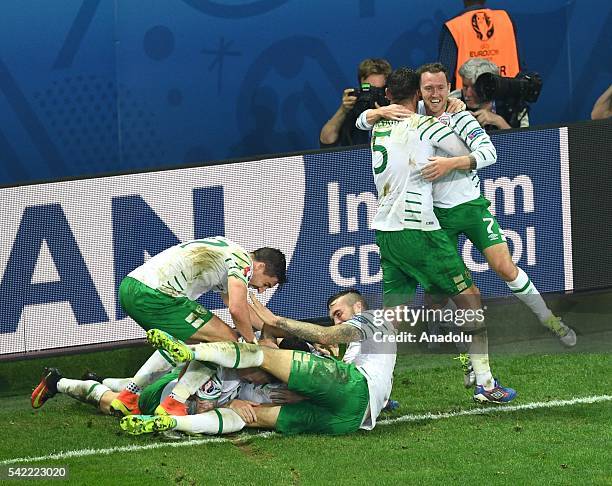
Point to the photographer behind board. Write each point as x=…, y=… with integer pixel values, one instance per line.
x=340, y=130
x=497, y=102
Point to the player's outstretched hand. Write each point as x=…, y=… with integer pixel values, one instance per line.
x=245, y=409
x=265, y=314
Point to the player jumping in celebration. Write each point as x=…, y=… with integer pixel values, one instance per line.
x=162, y=294
x=343, y=396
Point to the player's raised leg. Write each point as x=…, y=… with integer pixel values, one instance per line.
x=228, y=354
x=499, y=260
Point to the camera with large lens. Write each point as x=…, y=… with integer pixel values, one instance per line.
x=368, y=96
x=524, y=88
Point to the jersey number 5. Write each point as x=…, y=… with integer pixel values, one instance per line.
x=382, y=149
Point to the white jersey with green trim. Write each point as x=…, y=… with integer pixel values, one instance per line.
x=374, y=356
x=460, y=186
x=400, y=150
x=193, y=268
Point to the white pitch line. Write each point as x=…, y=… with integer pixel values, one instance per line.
x=266, y=435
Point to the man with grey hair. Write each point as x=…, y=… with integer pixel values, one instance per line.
x=491, y=114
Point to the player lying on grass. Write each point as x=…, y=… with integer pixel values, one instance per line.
x=342, y=396
x=162, y=294
x=227, y=388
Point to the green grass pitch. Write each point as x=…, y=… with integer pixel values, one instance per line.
x=564, y=444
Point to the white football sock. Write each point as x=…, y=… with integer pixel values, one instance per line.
x=524, y=289
x=195, y=376
x=85, y=391
x=158, y=364
x=230, y=354
x=116, y=384
x=480, y=363
x=217, y=421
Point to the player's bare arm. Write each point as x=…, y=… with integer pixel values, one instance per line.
x=239, y=308
x=340, y=333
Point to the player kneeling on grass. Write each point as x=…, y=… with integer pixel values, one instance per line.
x=342, y=396
x=162, y=294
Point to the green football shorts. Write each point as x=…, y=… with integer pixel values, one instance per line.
x=473, y=219
x=338, y=397
x=410, y=257
x=150, y=396
x=152, y=309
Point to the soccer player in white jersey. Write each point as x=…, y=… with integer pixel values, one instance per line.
x=461, y=208
x=413, y=247
x=162, y=294
x=343, y=396
x=458, y=203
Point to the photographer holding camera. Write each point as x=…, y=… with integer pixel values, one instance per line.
x=497, y=102
x=340, y=129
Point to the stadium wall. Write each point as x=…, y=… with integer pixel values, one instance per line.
x=66, y=245
x=90, y=87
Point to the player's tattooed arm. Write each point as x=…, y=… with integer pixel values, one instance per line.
x=340, y=333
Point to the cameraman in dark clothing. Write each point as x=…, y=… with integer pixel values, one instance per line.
x=340, y=129
x=493, y=114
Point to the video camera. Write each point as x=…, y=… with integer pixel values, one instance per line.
x=367, y=97
x=524, y=88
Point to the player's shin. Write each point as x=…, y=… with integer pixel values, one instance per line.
x=230, y=354
x=85, y=391
x=158, y=364
x=195, y=376
x=216, y=422
x=526, y=292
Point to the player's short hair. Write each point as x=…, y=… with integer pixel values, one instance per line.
x=276, y=264
x=403, y=83
x=432, y=67
x=473, y=68
x=371, y=66
x=355, y=297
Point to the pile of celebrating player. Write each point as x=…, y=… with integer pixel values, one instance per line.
x=277, y=373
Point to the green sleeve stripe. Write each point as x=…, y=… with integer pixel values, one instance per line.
x=491, y=152
x=178, y=283
x=441, y=128
x=443, y=137
x=241, y=259
x=237, y=348
x=427, y=119
x=411, y=211
x=413, y=202
x=446, y=134
x=183, y=275
x=414, y=220
x=433, y=125
x=460, y=116
x=410, y=192
x=220, y=417
x=467, y=125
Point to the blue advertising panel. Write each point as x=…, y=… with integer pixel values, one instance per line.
x=67, y=245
